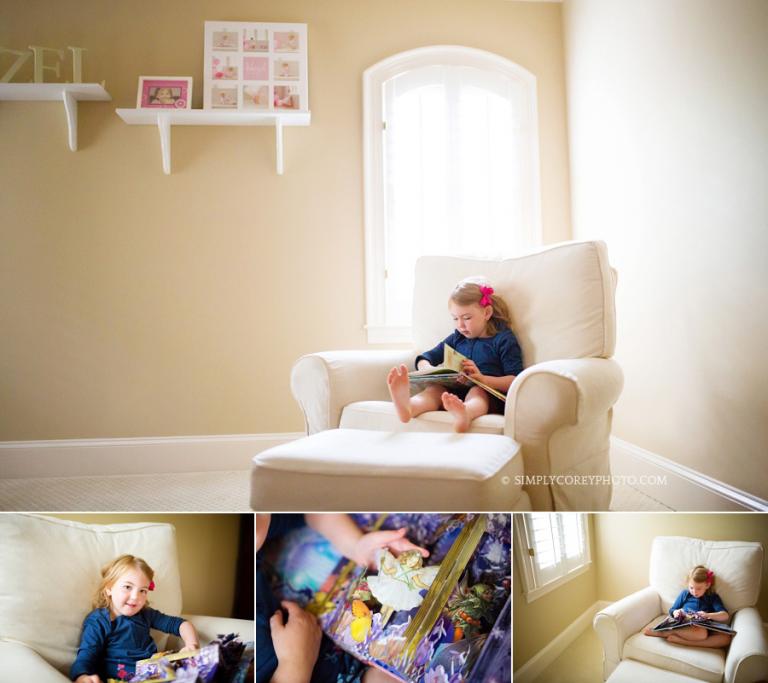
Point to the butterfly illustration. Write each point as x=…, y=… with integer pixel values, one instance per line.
x=361, y=624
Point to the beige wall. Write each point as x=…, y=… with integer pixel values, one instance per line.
x=668, y=130
x=535, y=624
x=623, y=545
x=138, y=304
x=207, y=547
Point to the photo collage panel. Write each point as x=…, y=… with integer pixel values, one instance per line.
x=255, y=67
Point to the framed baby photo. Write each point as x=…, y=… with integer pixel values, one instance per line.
x=255, y=66
x=164, y=92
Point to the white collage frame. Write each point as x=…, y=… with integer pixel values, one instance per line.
x=255, y=67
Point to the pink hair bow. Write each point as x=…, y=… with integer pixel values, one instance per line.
x=485, y=300
x=151, y=585
x=710, y=574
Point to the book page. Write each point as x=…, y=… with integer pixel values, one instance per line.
x=452, y=359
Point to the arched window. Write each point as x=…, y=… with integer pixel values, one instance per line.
x=451, y=168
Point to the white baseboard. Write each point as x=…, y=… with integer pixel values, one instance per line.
x=101, y=457
x=544, y=657
x=685, y=489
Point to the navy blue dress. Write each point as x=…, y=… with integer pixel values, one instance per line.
x=497, y=356
x=108, y=645
x=709, y=602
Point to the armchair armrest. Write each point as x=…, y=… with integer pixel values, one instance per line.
x=747, y=659
x=615, y=623
x=323, y=383
x=21, y=663
x=559, y=411
x=555, y=393
x=210, y=627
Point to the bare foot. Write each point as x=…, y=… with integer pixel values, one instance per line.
x=399, y=390
x=455, y=406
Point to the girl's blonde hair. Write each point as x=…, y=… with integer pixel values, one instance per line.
x=700, y=574
x=112, y=571
x=469, y=292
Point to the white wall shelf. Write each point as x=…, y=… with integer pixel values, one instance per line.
x=165, y=118
x=68, y=93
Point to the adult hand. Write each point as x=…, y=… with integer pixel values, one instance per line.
x=365, y=549
x=296, y=643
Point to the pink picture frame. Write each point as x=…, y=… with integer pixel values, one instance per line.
x=164, y=92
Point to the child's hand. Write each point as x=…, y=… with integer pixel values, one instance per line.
x=364, y=552
x=296, y=643
x=678, y=613
x=190, y=647
x=83, y=678
x=189, y=635
x=469, y=368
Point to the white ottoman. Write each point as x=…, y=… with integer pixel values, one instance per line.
x=630, y=671
x=359, y=470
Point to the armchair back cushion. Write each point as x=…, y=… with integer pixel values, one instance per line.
x=50, y=569
x=737, y=566
x=561, y=299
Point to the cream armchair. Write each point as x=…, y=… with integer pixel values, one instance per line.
x=49, y=569
x=737, y=567
x=559, y=409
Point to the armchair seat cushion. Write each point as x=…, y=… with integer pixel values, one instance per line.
x=630, y=671
x=381, y=416
x=369, y=470
x=701, y=663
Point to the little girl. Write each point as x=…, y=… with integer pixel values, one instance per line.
x=163, y=96
x=482, y=334
x=698, y=598
x=116, y=633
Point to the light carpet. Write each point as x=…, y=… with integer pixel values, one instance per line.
x=225, y=491
x=626, y=498
x=184, y=492
x=580, y=662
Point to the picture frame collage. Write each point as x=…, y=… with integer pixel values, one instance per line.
x=252, y=66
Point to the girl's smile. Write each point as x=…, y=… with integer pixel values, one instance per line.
x=128, y=595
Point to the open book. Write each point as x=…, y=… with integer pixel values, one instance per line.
x=224, y=660
x=424, y=620
x=448, y=374
x=690, y=619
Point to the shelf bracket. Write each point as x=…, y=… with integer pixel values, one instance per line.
x=279, y=145
x=167, y=118
x=70, y=107
x=164, y=126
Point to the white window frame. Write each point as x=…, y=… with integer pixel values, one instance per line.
x=523, y=547
x=373, y=151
